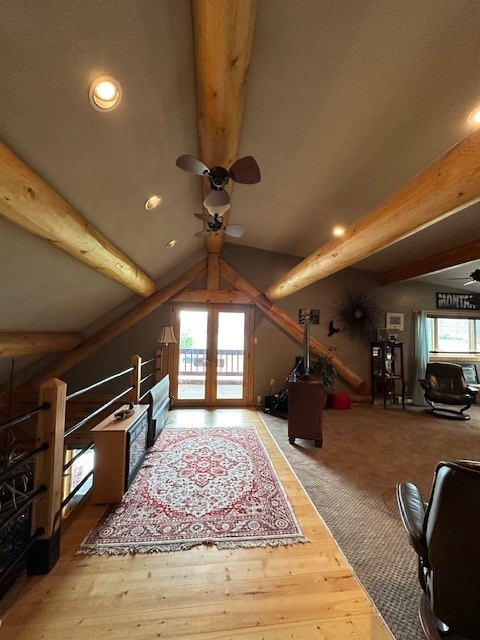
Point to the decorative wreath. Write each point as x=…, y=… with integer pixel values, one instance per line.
x=359, y=314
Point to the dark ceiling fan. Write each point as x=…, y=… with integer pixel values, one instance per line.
x=215, y=224
x=474, y=277
x=244, y=170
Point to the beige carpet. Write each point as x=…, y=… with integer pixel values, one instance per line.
x=352, y=480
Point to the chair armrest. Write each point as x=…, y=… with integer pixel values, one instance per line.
x=412, y=512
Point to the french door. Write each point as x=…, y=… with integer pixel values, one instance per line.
x=213, y=357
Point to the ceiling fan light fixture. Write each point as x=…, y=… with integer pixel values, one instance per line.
x=219, y=209
x=152, y=202
x=105, y=93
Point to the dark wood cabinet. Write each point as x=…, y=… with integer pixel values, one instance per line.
x=387, y=371
x=305, y=406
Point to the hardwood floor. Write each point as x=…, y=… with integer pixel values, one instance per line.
x=302, y=592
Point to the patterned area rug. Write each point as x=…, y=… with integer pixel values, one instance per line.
x=206, y=485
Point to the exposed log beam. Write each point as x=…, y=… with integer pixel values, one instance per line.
x=449, y=185
x=207, y=296
x=436, y=262
x=223, y=36
x=28, y=343
x=213, y=271
x=29, y=202
x=116, y=328
x=290, y=326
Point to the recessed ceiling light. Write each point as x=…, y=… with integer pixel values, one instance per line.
x=170, y=244
x=105, y=93
x=338, y=231
x=152, y=202
x=474, y=117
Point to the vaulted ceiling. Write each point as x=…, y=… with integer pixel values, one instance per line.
x=341, y=103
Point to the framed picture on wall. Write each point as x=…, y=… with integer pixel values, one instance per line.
x=394, y=321
x=382, y=334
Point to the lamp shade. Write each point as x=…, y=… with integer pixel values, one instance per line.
x=167, y=336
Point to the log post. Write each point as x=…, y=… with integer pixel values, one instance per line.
x=45, y=551
x=136, y=376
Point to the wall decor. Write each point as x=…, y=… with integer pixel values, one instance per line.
x=358, y=314
x=463, y=301
x=313, y=316
x=395, y=321
x=382, y=334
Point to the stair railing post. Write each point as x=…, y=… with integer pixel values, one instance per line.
x=46, y=515
x=136, y=376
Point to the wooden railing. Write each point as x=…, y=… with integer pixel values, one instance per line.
x=52, y=490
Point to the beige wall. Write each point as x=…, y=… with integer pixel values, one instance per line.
x=275, y=351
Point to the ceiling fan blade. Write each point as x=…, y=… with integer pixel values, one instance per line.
x=204, y=217
x=217, y=199
x=203, y=234
x=192, y=164
x=234, y=230
x=245, y=170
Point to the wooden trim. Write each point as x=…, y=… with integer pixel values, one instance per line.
x=27, y=343
x=449, y=185
x=291, y=326
x=29, y=202
x=434, y=263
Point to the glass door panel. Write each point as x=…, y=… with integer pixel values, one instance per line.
x=213, y=363
x=192, y=355
x=230, y=354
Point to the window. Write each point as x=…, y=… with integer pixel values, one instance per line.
x=453, y=335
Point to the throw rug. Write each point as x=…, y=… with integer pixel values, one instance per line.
x=205, y=485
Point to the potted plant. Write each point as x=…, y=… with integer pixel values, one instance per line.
x=321, y=367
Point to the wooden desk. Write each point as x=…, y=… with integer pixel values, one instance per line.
x=111, y=439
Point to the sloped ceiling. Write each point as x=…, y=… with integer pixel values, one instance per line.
x=345, y=102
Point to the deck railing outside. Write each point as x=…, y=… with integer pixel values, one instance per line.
x=192, y=362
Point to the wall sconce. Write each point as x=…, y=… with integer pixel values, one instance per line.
x=167, y=336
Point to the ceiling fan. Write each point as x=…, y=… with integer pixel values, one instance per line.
x=474, y=277
x=244, y=170
x=215, y=224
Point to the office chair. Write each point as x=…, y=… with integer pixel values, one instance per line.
x=445, y=534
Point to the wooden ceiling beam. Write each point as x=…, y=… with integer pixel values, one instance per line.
x=447, y=186
x=28, y=343
x=223, y=37
x=291, y=326
x=29, y=202
x=434, y=263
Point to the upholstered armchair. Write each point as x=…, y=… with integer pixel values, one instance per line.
x=445, y=534
x=444, y=384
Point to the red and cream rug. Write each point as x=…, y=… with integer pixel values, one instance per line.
x=206, y=485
